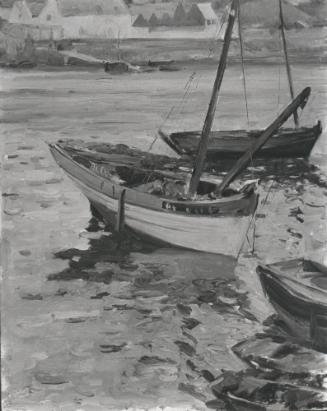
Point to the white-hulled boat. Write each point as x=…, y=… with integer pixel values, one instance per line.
x=213, y=225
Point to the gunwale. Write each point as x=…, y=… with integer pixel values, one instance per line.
x=164, y=204
x=226, y=143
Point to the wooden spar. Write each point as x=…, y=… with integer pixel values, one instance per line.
x=300, y=100
x=288, y=67
x=121, y=212
x=202, y=149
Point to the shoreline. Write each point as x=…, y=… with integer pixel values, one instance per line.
x=191, y=62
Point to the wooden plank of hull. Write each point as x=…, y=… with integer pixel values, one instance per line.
x=214, y=234
x=221, y=235
x=231, y=144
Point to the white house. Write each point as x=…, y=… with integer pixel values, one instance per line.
x=5, y=13
x=203, y=14
x=20, y=13
x=88, y=18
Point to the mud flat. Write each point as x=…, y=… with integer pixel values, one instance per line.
x=87, y=325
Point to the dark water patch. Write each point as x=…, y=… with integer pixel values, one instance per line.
x=30, y=296
x=294, y=233
x=75, y=320
x=51, y=379
x=109, y=348
x=53, y=180
x=61, y=292
x=190, y=323
x=208, y=376
x=185, y=348
x=70, y=274
x=25, y=253
x=183, y=309
x=25, y=147
x=13, y=196
x=120, y=307
x=99, y=296
x=113, y=249
x=34, y=91
x=153, y=360
x=297, y=213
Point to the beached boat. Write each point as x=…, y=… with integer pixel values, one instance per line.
x=184, y=210
x=297, y=289
x=229, y=144
x=216, y=225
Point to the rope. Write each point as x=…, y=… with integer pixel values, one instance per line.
x=187, y=88
x=243, y=68
x=279, y=67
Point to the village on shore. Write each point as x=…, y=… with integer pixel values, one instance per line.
x=86, y=32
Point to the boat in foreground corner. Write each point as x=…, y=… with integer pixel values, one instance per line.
x=297, y=289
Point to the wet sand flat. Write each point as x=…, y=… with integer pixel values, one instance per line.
x=87, y=325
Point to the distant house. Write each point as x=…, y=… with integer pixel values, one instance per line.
x=88, y=18
x=5, y=13
x=20, y=13
x=202, y=14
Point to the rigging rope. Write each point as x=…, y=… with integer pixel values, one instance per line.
x=178, y=107
x=279, y=67
x=243, y=68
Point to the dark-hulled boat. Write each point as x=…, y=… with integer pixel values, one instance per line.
x=231, y=144
x=297, y=289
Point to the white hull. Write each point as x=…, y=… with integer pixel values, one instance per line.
x=221, y=235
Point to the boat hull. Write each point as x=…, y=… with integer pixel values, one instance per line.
x=221, y=234
x=304, y=315
x=232, y=144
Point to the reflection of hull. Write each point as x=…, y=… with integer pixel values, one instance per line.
x=215, y=226
x=232, y=144
x=302, y=306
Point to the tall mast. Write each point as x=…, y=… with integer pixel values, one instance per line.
x=288, y=67
x=202, y=149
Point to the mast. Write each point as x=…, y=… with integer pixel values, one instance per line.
x=288, y=67
x=202, y=149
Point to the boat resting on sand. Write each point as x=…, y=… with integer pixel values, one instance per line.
x=215, y=225
x=231, y=144
x=297, y=290
x=285, y=142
